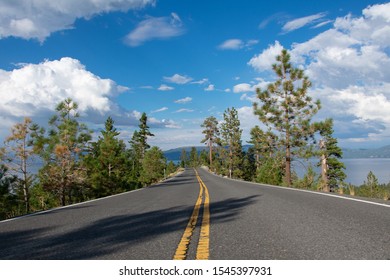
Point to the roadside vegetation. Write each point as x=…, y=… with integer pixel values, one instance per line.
x=74, y=168
x=286, y=133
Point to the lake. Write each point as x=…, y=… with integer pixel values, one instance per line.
x=357, y=169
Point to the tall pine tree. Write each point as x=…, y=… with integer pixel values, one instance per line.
x=211, y=135
x=21, y=152
x=143, y=134
x=231, y=139
x=286, y=107
x=332, y=169
x=107, y=162
x=62, y=150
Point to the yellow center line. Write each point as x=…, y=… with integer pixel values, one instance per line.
x=202, y=252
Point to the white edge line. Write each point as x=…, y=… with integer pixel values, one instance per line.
x=67, y=206
x=85, y=202
x=307, y=191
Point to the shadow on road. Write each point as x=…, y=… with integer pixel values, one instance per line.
x=106, y=236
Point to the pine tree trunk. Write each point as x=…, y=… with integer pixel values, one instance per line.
x=288, y=167
x=324, y=168
x=230, y=162
x=288, y=160
x=211, y=154
x=324, y=175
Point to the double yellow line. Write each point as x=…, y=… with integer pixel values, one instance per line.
x=202, y=252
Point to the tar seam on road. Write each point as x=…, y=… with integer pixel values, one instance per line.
x=202, y=252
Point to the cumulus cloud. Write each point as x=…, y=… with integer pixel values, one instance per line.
x=236, y=44
x=245, y=87
x=178, y=79
x=251, y=98
x=183, y=100
x=357, y=46
x=301, y=22
x=210, y=87
x=30, y=19
x=36, y=87
x=264, y=61
x=164, y=87
x=155, y=28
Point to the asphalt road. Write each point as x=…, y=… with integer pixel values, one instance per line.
x=247, y=221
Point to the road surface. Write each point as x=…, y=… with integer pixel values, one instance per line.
x=204, y=216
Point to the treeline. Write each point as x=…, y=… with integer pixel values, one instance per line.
x=74, y=168
x=286, y=134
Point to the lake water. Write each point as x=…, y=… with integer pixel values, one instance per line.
x=357, y=169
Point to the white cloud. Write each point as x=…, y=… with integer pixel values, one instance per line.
x=37, y=87
x=155, y=28
x=231, y=44
x=178, y=79
x=30, y=19
x=364, y=103
x=210, y=87
x=164, y=87
x=322, y=24
x=264, y=61
x=251, y=98
x=356, y=46
x=245, y=87
x=301, y=22
x=184, y=100
x=184, y=110
x=160, y=110
x=201, y=82
x=236, y=44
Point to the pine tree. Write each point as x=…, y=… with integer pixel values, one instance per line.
x=153, y=166
x=7, y=196
x=138, y=147
x=143, y=134
x=231, y=138
x=372, y=184
x=332, y=169
x=249, y=165
x=269, y=165
x=194, y=161
x=211, y=133
x=107, y=162
x=264, y=144
x=183, y=158
x=62, y=150
x=21, y=152
x=287, y=108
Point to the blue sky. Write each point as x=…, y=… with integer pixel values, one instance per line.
x=182, y=61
